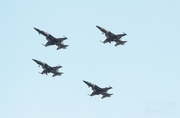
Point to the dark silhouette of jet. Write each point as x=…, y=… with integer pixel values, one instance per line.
x=110, y=37
x=48, y=69
x=52, y=40
x=97, y=90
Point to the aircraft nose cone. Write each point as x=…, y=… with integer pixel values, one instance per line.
x=36, y=29
x=98, y=27
x=34, y=60
x=84, y=81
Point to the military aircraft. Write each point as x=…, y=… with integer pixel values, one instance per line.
x=51, y=40
x=97, y=90
x=110, y=37
x=49, y=69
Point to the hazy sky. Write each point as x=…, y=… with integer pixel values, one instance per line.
x=144, y=73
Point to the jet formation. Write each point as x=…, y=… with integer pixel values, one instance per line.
x=98, y=90
x=110, y=37
x=51, y=40
x=48, y=69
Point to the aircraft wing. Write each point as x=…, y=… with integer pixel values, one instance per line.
x=56, y=67
x=110, y=34
x=48, y=67
x=51, y=37
x=121, y=35
x=93, y=93
x=49, y=43
x=107, y=40
x=59, y=40
x=97, y=88
x=45, y=72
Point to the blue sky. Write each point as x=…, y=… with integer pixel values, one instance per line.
x=144, y=73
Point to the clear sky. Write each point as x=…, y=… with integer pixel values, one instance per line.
x=144, y=73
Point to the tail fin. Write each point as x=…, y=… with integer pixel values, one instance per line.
x=65, y=46
x=120, y=43
x=57, y=74
x=123, y=42
x=62, y=46
x=106, y=95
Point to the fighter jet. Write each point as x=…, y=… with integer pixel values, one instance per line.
x=51, y=39
x=110, y=37
x=49, y=69
x=98, y=90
